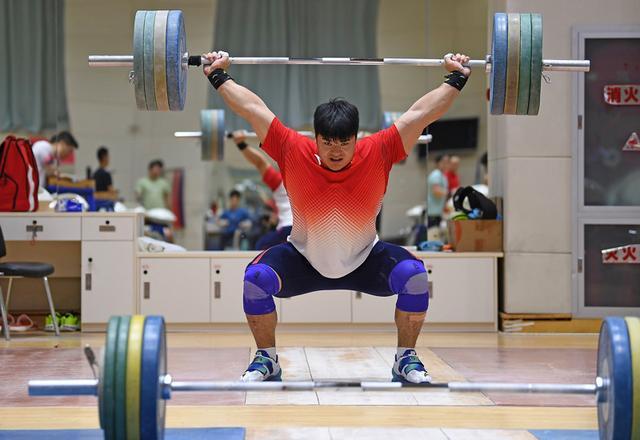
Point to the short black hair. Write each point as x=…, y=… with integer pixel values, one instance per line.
x=337, y=119
x=235, y=193
x=102, y=153
x=156, y=163
x=66, y=137
x=441, y=157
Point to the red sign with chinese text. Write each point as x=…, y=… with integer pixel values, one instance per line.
x=622, y=94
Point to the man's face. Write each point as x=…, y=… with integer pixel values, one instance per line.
x=155, y=172
x=444, y=164
x=105, y=161
x=336, y=154
x=454, y=164
x=234, y=202
x=64, y=150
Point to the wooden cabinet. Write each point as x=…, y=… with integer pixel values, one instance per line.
x=176, y=288
x=107, y=280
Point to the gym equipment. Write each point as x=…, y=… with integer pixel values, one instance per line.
x=160, y=61
x=135, y=356
x=212, y=133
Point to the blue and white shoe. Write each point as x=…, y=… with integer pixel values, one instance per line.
x=409, y=369
x=262, y=369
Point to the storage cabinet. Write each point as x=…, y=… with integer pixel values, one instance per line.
x=176, y=288
x=107, y=280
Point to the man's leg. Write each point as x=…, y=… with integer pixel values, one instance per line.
x=409, y=325
x=263, y=328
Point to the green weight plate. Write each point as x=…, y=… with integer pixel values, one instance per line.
x=633, y=326
x=525, y=64
x=149, y=81
x=614, y=368
x=121, y=378
x=134, y=365
x=107, y=400
x=513, y=64
x=536, y=64
x=160, y=60
x=138, y=59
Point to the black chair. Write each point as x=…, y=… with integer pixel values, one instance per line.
x=13, y=270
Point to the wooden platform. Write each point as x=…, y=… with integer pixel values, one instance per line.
x=547, y=323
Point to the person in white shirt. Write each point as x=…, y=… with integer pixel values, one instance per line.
x=49, y=153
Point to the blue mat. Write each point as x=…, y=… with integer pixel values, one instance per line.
x=96, y=434
x=565, y=434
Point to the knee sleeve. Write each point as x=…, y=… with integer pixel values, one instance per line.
x=410, y=282
x=261, y=283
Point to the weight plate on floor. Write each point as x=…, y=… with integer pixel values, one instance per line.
x=106, y=399
x=633, y=326
x=614, y=368
x=149, y=82
x=176, y=69
x=498, y=63
x=138, y=59
x=154, y=368
x=160, y=60
x=134, y=364
x=536, y=64
x=513, y=64
x=524, y=81
x=121, y=378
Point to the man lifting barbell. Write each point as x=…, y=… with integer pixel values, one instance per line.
x=335, y=187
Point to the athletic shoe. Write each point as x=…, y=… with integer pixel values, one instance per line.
x=409, y=369
x=48, y=322
x=262, y=369
x=70, y=323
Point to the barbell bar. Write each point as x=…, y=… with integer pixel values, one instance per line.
x=135, y=353
x=160, y=62
x=213, y=132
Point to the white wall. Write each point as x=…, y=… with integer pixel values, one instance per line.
x=530, y=163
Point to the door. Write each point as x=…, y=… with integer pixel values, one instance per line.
x=607, y=174
x=176, y=288
x=107, y=280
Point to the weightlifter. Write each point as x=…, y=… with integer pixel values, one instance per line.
x=335, y=186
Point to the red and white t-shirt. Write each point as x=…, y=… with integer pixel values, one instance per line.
x=334, y=213
x=273, y=179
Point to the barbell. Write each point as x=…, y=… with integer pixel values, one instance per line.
x=160, y=61
x=212, y=133
x=133, y=385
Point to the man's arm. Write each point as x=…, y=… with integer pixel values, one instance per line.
x=241, y=100
x=431, y=106
x=252, y=155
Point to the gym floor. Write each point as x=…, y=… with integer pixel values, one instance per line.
x=321, y=353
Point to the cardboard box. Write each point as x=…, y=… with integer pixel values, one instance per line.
x=475, y=235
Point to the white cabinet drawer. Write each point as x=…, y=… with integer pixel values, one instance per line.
x=108, y=228
x=65, y=227
x=317, y=307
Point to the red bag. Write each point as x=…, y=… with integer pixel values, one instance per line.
x=19, y=178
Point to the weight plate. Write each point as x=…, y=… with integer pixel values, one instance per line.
x=205, y=138
x=498, y=63
x=524, y=80
x=121, y=378
x=176, y=69
x=154, y=368
x=149, y=82
x=614, y=367
x=633, y=326
x=160, y=60
x=513, y=65
x=138, y=59
x=218, y=133
x=536, y=64
x=134, y=363
x=107, y=400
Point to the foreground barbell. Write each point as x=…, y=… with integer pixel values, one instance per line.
x=133, y=384
x=160, y=61
x=212, y=133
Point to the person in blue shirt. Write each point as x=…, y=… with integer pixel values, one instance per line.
x=231, y=218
